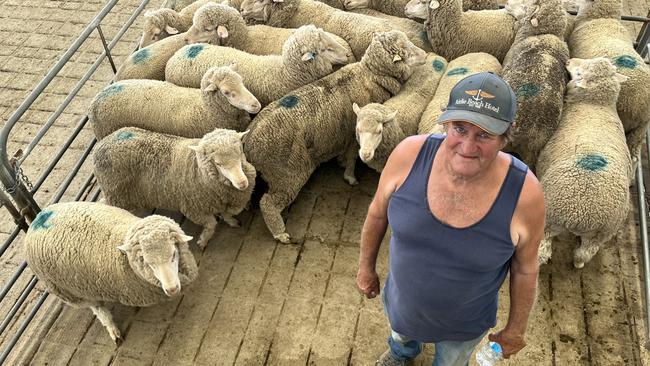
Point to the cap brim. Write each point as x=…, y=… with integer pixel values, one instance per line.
x=492, y=125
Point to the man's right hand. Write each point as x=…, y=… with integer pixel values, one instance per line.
x=368, y=282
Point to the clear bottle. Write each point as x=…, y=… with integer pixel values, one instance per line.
x=489, y=354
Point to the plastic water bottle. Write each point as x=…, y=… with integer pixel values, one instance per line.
x=489, y=354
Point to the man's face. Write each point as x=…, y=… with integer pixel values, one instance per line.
x=471, y=149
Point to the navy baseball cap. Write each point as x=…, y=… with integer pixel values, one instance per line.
x=483, y=99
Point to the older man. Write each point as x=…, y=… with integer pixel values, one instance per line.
x=462, y=214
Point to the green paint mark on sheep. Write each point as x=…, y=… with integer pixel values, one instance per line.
x=124, y=135
x=42, y=220
x=438, y=65
x=110, y=90
x=458, y=71
x=625, y=61
x=528, y=91
x=592, y=162
x=424, y=37
x=194, y=50
x=141, y=56
x=289, y=101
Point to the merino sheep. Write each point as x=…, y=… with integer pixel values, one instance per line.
x=160, y=106
x=149, y=62
x=225, y=24
x=308, y=55
x=466, y=65
x=598, y=32
x=162, y=23
x=380, y=127
x=535, y=70
x=90, y=254
x=356, y=29
x=585, y=167
x=416, y=9
x=315, y=123
x=201, y=178
x=453, y=33
x=519, y=9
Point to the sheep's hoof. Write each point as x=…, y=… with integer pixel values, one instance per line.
x=231, y=221
x=202, y=243
x=351, y=180
x=116, y=336
x=578, y=263
x=283, y=238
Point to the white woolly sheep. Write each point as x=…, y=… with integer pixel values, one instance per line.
x=162, y=23
x=356, y=29
x=585, y=167
x=90, y=254
x=535, y=69
x=416, y=9
x=598, y=32
x=519, y=9
x=149, y=62
x=139, y=169
x=315, y=123
x=453, y=33
x=466, y=65
x=380, y=127
x=222, y=102
x=308, y=55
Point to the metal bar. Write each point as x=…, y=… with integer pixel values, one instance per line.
x=73, y=173
x=9, y=240
x=19, y=302
x=7, y=350
x=9, y=284
x=643, y=223
x=18, y=218
x=96, y=195
x=106, y=50
x=84, y=187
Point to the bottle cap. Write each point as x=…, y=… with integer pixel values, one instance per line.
x=496, y=347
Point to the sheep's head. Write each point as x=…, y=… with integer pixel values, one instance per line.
x=594, y=74
x=355, y=4
x=518, y=8
x=540, y=17
x=152, y=246
x=416, y=9
x=213, y=23
x=370, y=124
x=275, y=13
x=156, y=26
x=394, y=54
x=220, y=155
x=315, y=49
x=226, y=81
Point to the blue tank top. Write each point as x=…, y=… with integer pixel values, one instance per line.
x=443, y=282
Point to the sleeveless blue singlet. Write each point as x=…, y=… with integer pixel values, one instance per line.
x=443, y=282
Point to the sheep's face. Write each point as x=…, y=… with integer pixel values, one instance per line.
x=221, y=155
x=314, y=47
x=592, y=73
x=355, y=4
x=211, y=24
x=518, y=8
x=416, y=9
x=331, y=50
x=156, y=27
x=226, y=81
x=370, y=124
x=401, y=49
x=257, y=10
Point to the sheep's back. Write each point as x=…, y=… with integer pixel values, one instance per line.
x=149, y=62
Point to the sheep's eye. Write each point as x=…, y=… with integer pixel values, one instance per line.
x=227, y=93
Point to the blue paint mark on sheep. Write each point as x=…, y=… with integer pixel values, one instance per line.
x=592, y=162
x=424, y=37
x=42, y=220
x=289, y=101
x=110, y=90
x=528, y=91
x=458, y=71
x=438, y=65
x=141, y=56
x=625, y=61
x=194, y=50
x=124, y=135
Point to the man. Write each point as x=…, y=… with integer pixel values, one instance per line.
x=462, y=214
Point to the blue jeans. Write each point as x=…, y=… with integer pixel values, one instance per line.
x=448, y=353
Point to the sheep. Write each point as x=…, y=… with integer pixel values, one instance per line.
x=534, y=69
x=453, y=33
x=139, y=169
x=162, y=23
x=585, y=167
x=291, y=137
x=466, y=65
x=225, y=24
x=598, y=32
x=380, y=127
x=356, y=29
x=414, y=8
x=149, y=62
x=160, y=106
x=308, y=55
x=519, y=9
x=90, y=254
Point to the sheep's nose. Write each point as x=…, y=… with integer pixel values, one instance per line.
x=241, y=185
x=255, y=107
x=173, y=291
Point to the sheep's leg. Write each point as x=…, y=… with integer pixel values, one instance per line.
x=589, y=246
x=106, y=318
x=230, y=220
x=349, y=162
x=209, y=223
x=545, y=246
x=635, y=140
x=272, y=204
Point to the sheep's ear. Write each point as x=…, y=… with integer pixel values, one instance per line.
x=434, y=4
x=185, y=238
x=125, y=248
x=171, y=30
x=620, y=78
x=278, y=1
x=211, y=87
x=233, y=66
x=390, y=117
x=222, y=31
x=308, y=56
x=397, y=58
x=355, y=108
x=534, y=22
x=242, y=134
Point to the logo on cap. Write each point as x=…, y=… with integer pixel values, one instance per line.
x=479, y=94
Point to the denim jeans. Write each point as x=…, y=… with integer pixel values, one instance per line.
x=448, y=353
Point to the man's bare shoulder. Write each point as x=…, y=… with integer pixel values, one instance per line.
x=530, y=212
x=399, y=163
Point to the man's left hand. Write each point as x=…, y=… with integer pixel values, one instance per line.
x=510, y=343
